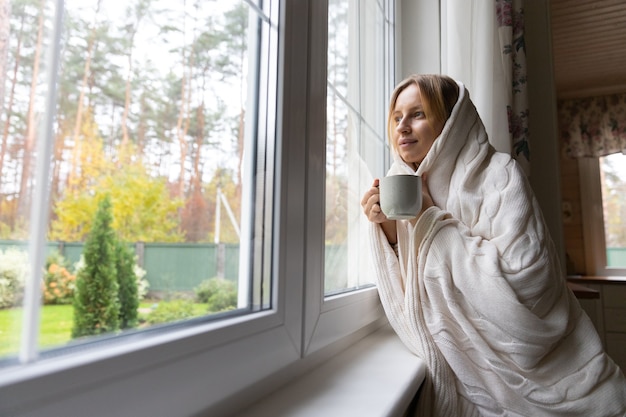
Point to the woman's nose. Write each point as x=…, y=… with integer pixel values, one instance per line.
x=402, y=126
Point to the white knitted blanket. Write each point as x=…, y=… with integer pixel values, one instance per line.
x=481, y=297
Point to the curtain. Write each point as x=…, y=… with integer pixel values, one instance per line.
x=483, y=47
x=593, y=127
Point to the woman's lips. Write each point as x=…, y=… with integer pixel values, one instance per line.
x=406, y=142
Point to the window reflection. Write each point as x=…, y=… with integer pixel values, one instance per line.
x=359, y=66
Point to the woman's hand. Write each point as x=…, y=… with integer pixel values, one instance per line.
x=371, y=204
x=371, y=208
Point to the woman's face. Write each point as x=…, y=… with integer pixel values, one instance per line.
x=413, y=134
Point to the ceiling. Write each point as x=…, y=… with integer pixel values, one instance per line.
x=589, y=47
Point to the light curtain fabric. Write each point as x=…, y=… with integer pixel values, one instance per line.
x=483, y=47
x=477, y=292
x=593, y=127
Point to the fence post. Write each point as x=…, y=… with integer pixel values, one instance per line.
x=140, y=250
x=221, y=260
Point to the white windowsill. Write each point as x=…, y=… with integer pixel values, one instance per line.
x=377, y=376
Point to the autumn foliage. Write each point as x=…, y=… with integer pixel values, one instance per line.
x=58, y=285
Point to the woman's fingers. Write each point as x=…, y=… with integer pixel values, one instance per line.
x=369, y=193
x=371, y=204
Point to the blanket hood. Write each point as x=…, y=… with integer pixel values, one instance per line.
x=464, y=133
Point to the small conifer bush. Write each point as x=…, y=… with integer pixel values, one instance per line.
x=127, y=281
x=96, y=305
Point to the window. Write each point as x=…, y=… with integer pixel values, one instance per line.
x=613, y=177
x=156, y=113
x=213, y=362
x=359, y=86
x=603, y=186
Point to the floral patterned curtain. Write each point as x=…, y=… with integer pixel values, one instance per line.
x=510, y=17
x=593, y=127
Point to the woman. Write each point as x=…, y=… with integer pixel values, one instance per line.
x=473, y=285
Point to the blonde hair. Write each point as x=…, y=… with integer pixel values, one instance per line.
x=439, y=94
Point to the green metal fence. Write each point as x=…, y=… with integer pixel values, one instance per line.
x=169, y=267
x=181, y=266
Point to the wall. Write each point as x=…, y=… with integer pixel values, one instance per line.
x=418, y=34
x=572, y=217
x=544, y=150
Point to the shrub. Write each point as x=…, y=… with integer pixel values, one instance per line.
x=59, y=285
x=219, y=294
x=169, y=311
x=13, y=273
x=140, y=273
x=127, y=281
x=96, y=306
x=142, y=284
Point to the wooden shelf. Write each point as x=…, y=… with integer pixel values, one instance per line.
x=580, y=291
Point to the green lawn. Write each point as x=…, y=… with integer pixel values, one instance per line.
x=56, y=326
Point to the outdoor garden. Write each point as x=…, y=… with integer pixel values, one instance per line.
x=105, y=292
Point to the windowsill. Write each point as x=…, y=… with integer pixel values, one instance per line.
x=377, y=376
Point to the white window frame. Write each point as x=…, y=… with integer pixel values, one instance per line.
x=329, y=319
x=218, y=366
x=593, y=219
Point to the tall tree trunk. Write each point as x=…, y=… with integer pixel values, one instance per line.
x=125, y=136
x=182, y=145
x=78, y=121
x=141, y=9
x=5, y=30
x=9, y=108
x=242, y=114
x=197, y=157
x=141, y=127
x=240, y=145
x=64, y=126
x=31, y=128
x=182, y=124
x=194, y=212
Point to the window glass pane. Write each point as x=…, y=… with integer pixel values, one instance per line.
x=372, y=68
x=149, y=196
x=23, y=72
x=613, y=177
x=355, y=145
x=341, y=28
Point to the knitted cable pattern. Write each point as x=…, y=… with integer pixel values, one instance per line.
x=477, y=292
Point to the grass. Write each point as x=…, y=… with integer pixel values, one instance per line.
x=55, y=328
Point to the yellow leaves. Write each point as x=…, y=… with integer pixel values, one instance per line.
x=142, y=208
x=88, y=158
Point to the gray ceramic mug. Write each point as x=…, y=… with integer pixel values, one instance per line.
x=400, y=196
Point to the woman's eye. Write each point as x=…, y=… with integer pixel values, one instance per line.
x=418, y=114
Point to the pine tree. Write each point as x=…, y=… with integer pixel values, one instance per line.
x=96, y=306
x=127, y=293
